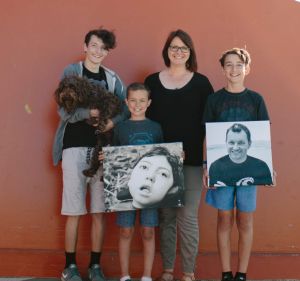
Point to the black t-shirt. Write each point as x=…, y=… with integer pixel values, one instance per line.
x=251, y=172
x=179, y=112
x=224, y=106
x=80, y=134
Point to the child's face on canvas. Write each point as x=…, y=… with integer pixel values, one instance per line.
x=150, y=180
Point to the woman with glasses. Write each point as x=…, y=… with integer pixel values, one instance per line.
x=178, y=95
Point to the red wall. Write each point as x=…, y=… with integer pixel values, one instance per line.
x=39, y=38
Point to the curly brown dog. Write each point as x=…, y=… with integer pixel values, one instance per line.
x=74, y=92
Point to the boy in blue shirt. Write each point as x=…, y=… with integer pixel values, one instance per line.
x=137, y=130
x=234, y=103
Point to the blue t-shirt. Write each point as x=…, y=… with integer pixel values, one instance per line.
x=131, y=132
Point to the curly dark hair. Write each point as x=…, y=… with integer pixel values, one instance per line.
x=243, y=54
x=73, y=92
x=108, y=37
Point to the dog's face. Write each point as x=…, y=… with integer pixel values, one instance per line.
x=68, y=99
x=73, y=92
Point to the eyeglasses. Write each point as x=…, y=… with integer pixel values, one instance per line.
x=183, y=49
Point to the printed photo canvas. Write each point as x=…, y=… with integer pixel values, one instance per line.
x=143, y=176
x=239, y=153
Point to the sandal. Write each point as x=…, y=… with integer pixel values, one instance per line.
x=188, y=277
x=166, y=276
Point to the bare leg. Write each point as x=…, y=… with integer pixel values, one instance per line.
x=126, y=234
x=97, y=231
x=224, y=227
x=71, y=233
x=245, y=228
x=148, y=237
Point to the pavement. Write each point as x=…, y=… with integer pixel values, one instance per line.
x=57, y=279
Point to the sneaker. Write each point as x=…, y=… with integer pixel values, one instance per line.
x=227, y=276
x=240, y=276
x=71, y=274
x=95, y=273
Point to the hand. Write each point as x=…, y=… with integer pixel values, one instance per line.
x=183, y=155
x=101, y=156
x=94, y=112
x=205, y=178
x=219, y=183
x=245, y=181
x=94, y=117
x=109, y=125
x=274, y=178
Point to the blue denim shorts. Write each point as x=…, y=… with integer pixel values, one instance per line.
x=227, y=197
x=148, y=218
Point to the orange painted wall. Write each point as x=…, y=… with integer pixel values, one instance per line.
x=39, y=38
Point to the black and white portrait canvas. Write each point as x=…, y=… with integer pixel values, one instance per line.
x=143, y=176
x=239, y=153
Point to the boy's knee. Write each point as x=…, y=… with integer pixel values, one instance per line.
x=73, y=219
x=98, y=217
x=244, y=221
x=147, y=233
x=225, y=220
x=126, y=232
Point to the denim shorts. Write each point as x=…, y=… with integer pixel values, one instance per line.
x=148, y=218
x=227, y=197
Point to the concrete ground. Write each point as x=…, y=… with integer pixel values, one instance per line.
x=57, y=279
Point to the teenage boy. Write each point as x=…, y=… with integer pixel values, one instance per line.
x=73, y=144
x=136, y=131
x=234, y=103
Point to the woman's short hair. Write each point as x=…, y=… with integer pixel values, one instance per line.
x=191, y=63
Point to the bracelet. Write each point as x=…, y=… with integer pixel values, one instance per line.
x=204, y=164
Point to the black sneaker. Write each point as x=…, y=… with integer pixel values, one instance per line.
x=95, y=273
x=71, y=273
x=240, y=276
x=227, y=276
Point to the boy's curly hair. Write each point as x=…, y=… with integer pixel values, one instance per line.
x=243, y=54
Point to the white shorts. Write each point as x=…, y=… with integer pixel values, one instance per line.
x=74, y=161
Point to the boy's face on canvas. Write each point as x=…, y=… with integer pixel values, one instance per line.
x=150, y=180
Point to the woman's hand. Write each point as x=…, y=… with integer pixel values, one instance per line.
x=205, y=178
